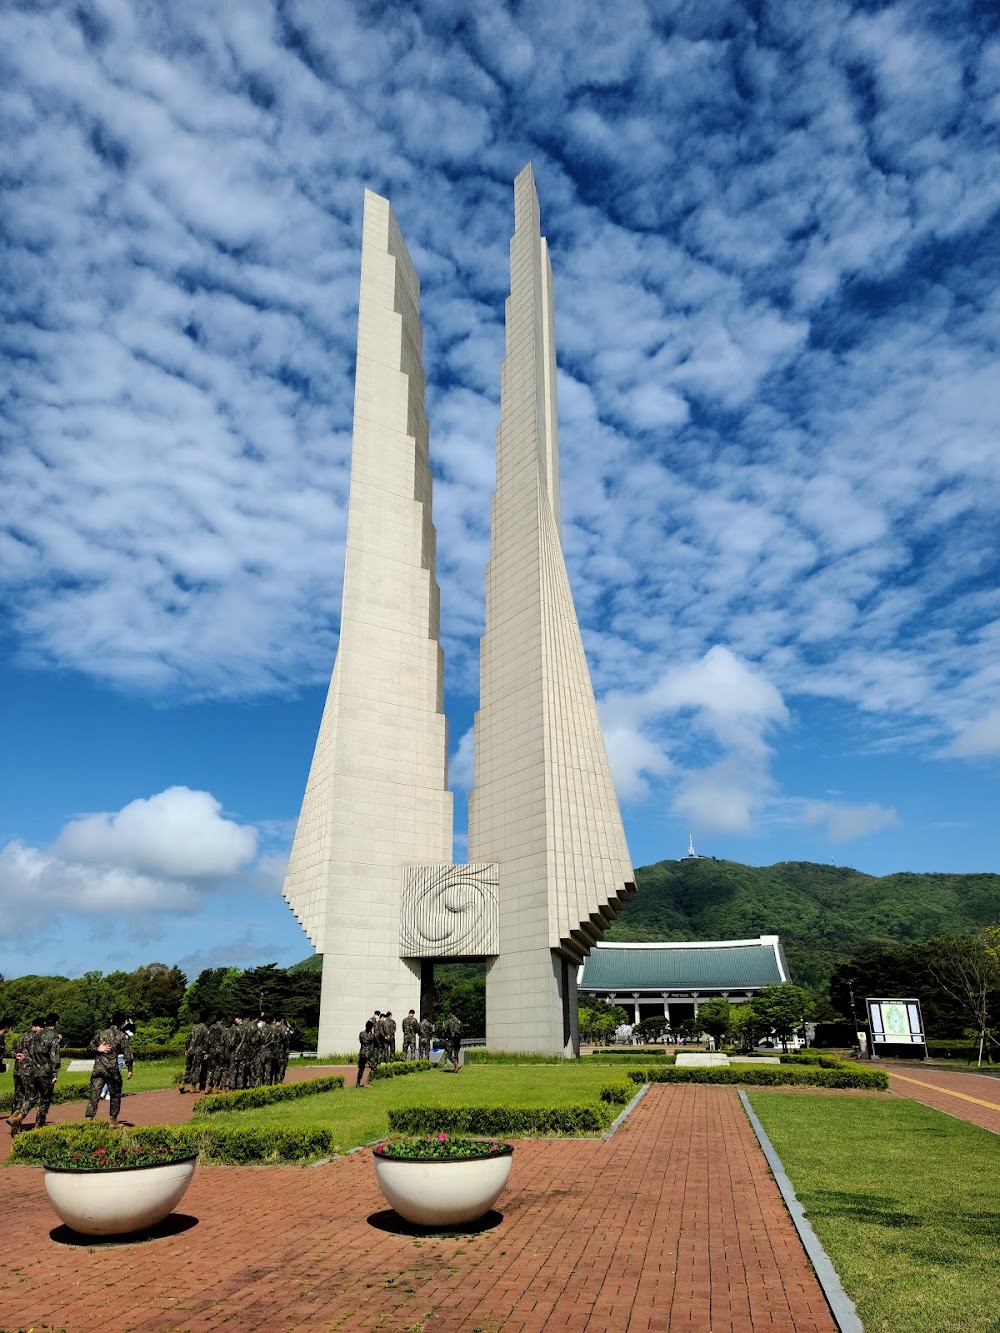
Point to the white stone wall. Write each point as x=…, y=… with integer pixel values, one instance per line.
x=543, y=805
x=377, y=797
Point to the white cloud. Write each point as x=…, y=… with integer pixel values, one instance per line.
x=460, y=767
x=179, y=833
x=155, y=857
x=844, y=821
x=979, y=740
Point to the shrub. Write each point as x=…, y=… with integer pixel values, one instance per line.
x=823, y=1061
x=619, y=1092
x=249, y=1099
x=633, y=1053
x=497, y=1121
x=397, y=1068
x=62, y=1092
x=763, y=1076
x=442, y=1147
x=229, y=1145
x=140, y=1052
x=479, y=1055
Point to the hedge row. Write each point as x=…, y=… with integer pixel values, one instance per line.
x=767, y=1076
x=249, y=1099
x=216, y=1143
x=140, y=1053
x=397, y=1068
x=814, y=1058
x=498, y=1121
x=619, y=1093
x=636, y=1053
x=62, y=1092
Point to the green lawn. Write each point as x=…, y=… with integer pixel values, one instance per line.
x=358, y=1115
x=906, y=1201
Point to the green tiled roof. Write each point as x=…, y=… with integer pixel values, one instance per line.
x=666, y=967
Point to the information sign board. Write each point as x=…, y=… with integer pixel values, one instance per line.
x=896, y=1022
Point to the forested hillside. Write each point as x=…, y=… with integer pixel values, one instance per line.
x=823, y=913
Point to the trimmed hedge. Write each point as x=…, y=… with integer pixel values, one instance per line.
x=140, y=1053
x=635, y=1053
x=233, y=1146
x=823, y=1061
x=249, y=1099
x=768, y=1076
x=62, y=1092
x=618, y=1093
x=397, y=1068
x=502, y=1121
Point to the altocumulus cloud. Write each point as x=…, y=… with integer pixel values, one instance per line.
x=156, y=856
x=774, y=235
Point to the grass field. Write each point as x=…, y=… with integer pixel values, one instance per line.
x=359, y=1115
x=906, y=1201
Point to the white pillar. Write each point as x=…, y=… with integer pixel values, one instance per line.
x=635, y=1005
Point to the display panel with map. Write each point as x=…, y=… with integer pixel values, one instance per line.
x=895, y=1022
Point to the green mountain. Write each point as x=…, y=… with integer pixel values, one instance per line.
x=823, y=913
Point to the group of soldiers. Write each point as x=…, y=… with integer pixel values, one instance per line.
x=37, y=1057
x=377, y=1043
x=246, y=1053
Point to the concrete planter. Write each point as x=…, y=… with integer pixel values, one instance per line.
x=439, y=1193
x=113, y=1201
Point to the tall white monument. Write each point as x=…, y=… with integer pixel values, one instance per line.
x=370, y=876
x=377, y=798
x=544, y=806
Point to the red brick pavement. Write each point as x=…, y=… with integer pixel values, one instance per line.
x=966, y=1096
x=674, y=1223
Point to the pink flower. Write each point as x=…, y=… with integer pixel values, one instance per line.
x=442, y=1138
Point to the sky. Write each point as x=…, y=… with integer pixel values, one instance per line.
x=773, y=229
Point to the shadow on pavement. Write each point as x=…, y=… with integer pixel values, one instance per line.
x=389, y=1220
x=174, y=1225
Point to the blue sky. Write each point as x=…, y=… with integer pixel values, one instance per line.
x=773, y=231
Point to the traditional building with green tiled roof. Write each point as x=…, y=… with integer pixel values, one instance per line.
x=671, y=979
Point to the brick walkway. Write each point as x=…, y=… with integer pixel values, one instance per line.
x=675, y=1223
x=966, y=1096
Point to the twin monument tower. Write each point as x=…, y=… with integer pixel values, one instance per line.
x=371, y=878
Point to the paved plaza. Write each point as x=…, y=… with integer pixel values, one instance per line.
x=673, y=1223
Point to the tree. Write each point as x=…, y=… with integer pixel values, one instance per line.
x=967, y=967
x=155, y=991
x=781, y=1008
x=598, y=1020
x=715, y=1017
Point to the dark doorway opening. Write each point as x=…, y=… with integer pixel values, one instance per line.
x=447, y=985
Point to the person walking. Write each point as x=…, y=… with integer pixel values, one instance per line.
x=366, y=1052
x=411, y=1035
x=110, y=1043
x=30, y=1071
x=453, y=1039
x=46, y=1059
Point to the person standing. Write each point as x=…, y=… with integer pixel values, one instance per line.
x=216, y=1063
x=426, y=1033
x=195, y=1054
x=110, y=1043
x=411, y=1034
x=390, y=1036
x=453, y=1039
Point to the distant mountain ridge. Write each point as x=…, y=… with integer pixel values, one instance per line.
x=823, y=913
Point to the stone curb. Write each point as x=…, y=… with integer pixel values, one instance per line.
x=619, y=1120
x=841, y=1305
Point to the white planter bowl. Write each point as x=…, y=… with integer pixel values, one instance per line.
x=114, y=1201
x=442, y=1193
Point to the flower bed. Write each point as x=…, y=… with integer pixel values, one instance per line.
x=768, y=1076
x=249, y=1099
x=496, y=1121
x=398, y=1068
x=229, y=1145
x=441, y=1147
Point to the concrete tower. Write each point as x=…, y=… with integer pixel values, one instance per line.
x=544, y=808
x=377, y=798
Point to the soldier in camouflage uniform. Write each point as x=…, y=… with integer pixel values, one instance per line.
x=426, y=1032
x=46, y=1059
x=390, y=1036
x=195, y=1053
x=106, y=1048
x=234, y=1040
x=453, y=1039
x=273, y=1044
x=30, y=1072
x=366, y=1053
x=286, y=1046
x=216, y=1062
x=411, y=1035
x=257, y=1065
